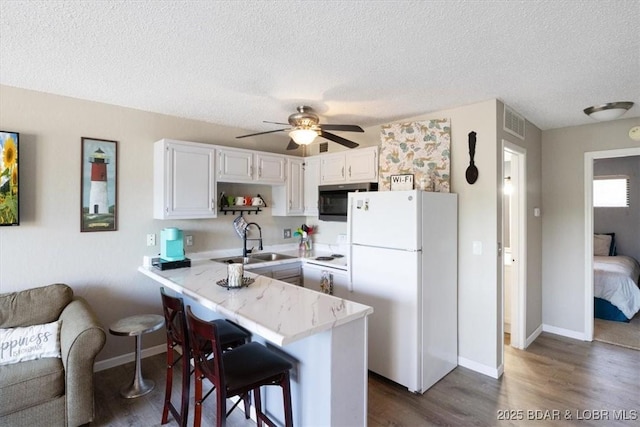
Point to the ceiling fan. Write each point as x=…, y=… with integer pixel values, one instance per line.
x=305, y=127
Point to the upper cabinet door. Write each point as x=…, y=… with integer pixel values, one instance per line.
x=271, y=168
x=288, y=199
x=362, y=165
x=311, y=182
x=184, y=180
x=235, y=165
x=296, y=187
x=333, y=168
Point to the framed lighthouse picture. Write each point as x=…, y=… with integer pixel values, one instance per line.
x=99, y=188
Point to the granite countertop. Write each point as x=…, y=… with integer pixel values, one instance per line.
x=279, y=312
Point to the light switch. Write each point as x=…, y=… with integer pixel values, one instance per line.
x=477, y=247
x=536, y=211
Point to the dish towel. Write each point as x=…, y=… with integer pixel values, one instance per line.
x=326, y=282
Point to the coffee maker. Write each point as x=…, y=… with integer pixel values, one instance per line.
x=172, y=250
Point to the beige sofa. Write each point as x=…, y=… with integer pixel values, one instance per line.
x=51, y=391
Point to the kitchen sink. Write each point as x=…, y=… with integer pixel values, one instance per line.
x=254, y=259
x=270, y=256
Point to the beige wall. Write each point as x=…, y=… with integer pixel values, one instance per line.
x=563, y=234
x=48, y=246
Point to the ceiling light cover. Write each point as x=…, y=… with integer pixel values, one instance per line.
x=303, y=136
x=609, y=111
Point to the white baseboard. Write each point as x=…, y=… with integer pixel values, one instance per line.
x=128, y=357
x=531, y=338
x=564, y=332
x=479, y=367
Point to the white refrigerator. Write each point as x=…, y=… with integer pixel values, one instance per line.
x=403, y=263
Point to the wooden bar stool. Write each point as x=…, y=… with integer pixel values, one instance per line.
x=235, y=373
x=136, y=326
x=177, y=336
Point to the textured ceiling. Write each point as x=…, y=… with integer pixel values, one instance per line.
x=237, y=63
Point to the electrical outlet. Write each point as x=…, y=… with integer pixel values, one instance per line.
x=188, y=240
x=287, y=233
x=151, y=239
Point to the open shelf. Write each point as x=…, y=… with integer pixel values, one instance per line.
x=241, y=209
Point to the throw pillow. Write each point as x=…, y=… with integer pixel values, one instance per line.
x=601, y=244
x=29, y=343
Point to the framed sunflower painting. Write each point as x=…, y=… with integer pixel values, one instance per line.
x=9, y=182
x=99, y=185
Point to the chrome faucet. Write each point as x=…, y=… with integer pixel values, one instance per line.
x=246, y=251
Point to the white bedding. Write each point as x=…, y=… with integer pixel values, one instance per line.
x=615, y=280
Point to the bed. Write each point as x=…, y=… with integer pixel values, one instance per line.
x=616, y=292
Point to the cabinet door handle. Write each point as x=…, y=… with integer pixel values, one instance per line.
x=260, y=172
x=213, y=204
x=343, y=171
x=349, y=171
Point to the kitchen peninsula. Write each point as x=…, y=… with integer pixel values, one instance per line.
x=325, y=337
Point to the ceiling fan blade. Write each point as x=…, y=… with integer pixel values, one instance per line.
x=346, y=128
x=262, y=133
x=276, y=123
x=292, y=145
x=340, y=140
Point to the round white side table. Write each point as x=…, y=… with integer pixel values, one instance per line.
x=136, y=326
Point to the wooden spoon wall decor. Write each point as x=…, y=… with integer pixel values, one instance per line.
x=472, y=170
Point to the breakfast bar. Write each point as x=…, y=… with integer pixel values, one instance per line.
x=323, y=336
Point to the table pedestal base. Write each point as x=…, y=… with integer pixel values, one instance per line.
x=139, y=386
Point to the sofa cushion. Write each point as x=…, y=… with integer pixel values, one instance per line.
x=34, y=306
x=27, y=384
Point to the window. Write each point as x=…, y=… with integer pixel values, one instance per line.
x=611, y=191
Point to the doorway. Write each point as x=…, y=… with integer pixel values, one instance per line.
x=514, y=238
x=589, y=158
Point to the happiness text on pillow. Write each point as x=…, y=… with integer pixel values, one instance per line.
x=24, y=345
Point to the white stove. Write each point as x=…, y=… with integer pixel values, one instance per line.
x=336, y=260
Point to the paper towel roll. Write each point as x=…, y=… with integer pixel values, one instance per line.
x=234, y=275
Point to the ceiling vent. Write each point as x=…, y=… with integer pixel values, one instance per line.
x=514, y=123
x=324, y=147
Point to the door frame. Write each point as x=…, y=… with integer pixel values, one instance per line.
x=519, y=286
x=589, y=158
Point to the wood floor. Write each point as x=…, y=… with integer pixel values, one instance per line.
x=555, y=377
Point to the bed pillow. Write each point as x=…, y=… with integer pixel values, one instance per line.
x=601, y=244
x=612, y=246
x=29, y=343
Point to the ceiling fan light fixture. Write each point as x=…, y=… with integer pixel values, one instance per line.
x=609, y=111
x=303, y=136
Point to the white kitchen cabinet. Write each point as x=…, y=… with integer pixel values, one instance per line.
x=359, y=165
x=362, y=165
x=311, y=181
x=332, y=168
x=184, y=185
x=312, y=277
x=288, y=199
x=235, y=165
x=238, y=165
x=271, y=168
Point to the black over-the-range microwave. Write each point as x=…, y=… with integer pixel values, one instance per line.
x=332, y=199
